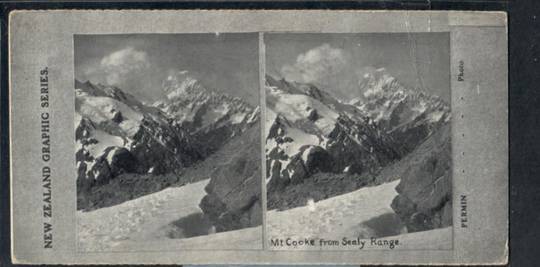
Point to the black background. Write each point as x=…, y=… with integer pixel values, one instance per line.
x=524, y=99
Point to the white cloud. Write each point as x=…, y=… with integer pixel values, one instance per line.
x=119, y=64
x=316, y=65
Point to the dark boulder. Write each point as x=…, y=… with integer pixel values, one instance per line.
x=313, y=115
x=233, y=199
x=276, y=180
x=276, y=129
x=84, y=129
x=317, y=159
x=296, y=170
x=310, y=160
x=425, y=189
x=122, y=161
x=100, y=171
x=111, y=163
x=117, y=117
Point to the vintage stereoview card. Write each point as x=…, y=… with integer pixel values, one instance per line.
x=258, y=137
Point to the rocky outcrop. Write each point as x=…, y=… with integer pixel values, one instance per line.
x=425, y=190
x=113, y=162
x=357, y=147
x=163, y=148
x=233, y=199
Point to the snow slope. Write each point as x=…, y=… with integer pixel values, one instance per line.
x=364, y=213
x=333, y=217
x=142, y=223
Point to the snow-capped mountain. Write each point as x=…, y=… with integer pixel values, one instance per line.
x=309, y=131
x=210, y=117
x=116, y=133
x=409, y=116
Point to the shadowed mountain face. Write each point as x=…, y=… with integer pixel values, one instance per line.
x=316, y=141
x=233, y=199
x=117, y=134
x=425, y=190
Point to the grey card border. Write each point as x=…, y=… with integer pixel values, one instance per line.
x=40, y=38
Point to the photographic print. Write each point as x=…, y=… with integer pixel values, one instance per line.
x=168, y=142
x=358, y=149
x=338, y=137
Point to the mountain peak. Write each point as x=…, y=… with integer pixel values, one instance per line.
x=376, y=81
x=179, y=84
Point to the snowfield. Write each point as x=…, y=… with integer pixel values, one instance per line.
x=151, y=222
x=103, y=109
x=295, y=107
x=333, y=217
x=364, y=213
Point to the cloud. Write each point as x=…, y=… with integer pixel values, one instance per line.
x=316, y=65
x=120, y=64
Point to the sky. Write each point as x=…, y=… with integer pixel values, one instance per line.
x=338, y=61
x=138, y=63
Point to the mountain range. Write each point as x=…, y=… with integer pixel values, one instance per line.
x=126, y=148
x=309, y=131
x=319, y=146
